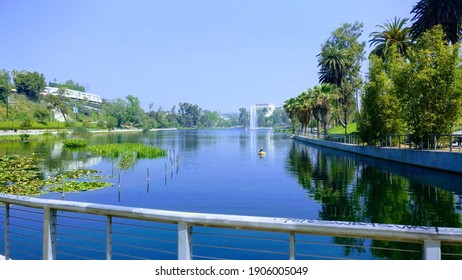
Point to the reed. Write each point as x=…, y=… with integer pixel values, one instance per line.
x=116, y=150
x=127, y=153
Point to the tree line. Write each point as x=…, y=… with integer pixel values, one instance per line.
x=119, y=112
x=413, y=86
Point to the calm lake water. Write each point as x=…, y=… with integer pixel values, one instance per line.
x=219, y=171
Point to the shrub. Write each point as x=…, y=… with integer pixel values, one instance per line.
x=80, y=131
x=26, y=123
x=75, y=143
x=25, y=137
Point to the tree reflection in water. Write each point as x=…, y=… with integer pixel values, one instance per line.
x=360, y=189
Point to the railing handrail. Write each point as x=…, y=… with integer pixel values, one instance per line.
x=331, y=228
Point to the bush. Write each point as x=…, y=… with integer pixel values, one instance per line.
x=75, y=143
x=101, y=124
x=26, y=124
x=25, y=137
x=80, y=131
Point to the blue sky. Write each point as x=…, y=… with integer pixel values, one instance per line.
x=219, y=54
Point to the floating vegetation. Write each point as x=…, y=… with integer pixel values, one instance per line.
x=21, y=176
x=127, y=153
x=76, y=186
x=75, y=143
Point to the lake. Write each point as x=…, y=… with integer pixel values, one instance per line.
x=220, y=171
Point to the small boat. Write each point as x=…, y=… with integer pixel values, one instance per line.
x=261, y=153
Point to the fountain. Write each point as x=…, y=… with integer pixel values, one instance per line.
x=253, y=117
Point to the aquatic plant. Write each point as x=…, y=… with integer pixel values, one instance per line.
x=75, y=143
x=115, y=150
x=77, y=186
x=127, y=153
x=21, y=176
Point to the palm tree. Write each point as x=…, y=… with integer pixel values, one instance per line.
x=333, y=62
x=300, y=109
x=322, y=96
x=447, y=13
x=290, y=109
x=393, y=33
x=304, y=105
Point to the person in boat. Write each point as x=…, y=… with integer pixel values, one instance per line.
x=261, y=150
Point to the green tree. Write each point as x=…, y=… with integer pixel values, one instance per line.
x=134, y=114
x=70, y=84
x=244, y=118
x=323, y=95
x=5, y=86
x=117, y=110
x=290, y=107
x=381, y=111
x=394, y=33
x=41, y=115
x=189, y=114
x=26, y=123
x=302, y=109
x=56, y=102
x=429, y=85
x=340, y=64
x=111, y=123
x=279, y=117
x=29, y=83
x=429, y=13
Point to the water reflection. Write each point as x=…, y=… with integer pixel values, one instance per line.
x=355, y=189
x=362, y=189
x=54, y=157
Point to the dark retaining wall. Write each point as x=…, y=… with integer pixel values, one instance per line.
x=431, y=159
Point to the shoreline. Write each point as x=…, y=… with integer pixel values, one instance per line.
x=41, y=131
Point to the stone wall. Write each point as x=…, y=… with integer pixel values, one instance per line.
x=430, y=159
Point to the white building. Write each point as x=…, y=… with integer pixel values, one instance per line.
x=74, y=94
x=269, y=108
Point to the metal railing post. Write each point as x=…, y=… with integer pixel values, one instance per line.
x=108, y=238
x=292, y=246
x=7, y=231
x=49, y=234
x=184, y=241
x=432, y=250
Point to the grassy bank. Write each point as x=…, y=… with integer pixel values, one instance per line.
x=351, y=128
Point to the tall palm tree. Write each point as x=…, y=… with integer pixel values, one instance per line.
x=304, y=110
x=323, y=95
x=393, y=33
x=290, y=108
x=334, y=63
x=447, y=13
x=300, y=109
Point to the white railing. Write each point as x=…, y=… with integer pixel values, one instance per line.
x=431, y=238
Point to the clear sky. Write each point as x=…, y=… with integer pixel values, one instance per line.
x=219, y=54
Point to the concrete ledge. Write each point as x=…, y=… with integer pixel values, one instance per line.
x=445, y=161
